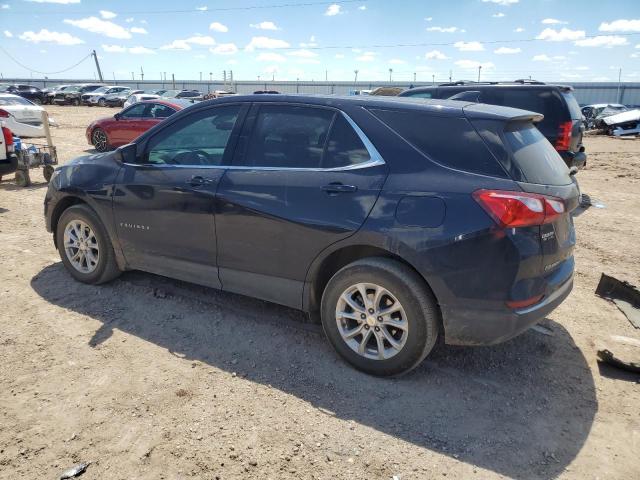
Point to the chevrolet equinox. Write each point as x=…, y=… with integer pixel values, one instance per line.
x=392, y=221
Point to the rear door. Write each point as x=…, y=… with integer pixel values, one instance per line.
x=303, y=178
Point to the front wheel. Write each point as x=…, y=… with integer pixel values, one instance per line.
x=85, y=247
x=100, y=140
x=101, y=102
x=380, y=316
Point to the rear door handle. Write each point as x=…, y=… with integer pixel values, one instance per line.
x=198, y=180
x=339, y=188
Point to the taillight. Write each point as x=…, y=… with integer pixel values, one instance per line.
x=564, y=136
x=519, y=209
x=4, y=113
x=8, y=138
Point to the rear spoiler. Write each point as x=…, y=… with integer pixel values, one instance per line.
x=483, y=111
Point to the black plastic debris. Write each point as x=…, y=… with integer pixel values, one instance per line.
x=608, y=357
x=625, y=296
x=75, y=471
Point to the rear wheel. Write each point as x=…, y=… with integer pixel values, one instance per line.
x=100, y=140
x=101, y=102
x=47, y=172
x=22, y=178
x=75, y=102
x=380, y=316
x=85, y=247
x=37, y=101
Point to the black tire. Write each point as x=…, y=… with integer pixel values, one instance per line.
x=75, y=102
x=100, y=140
x=37, y=101
x=22, y=178
x=101, y=102
x=47, y=172
x=107, y=267
x=417, y=302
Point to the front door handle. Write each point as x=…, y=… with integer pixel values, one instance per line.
x=339, y=188
x=198, y=180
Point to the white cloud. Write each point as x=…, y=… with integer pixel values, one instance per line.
x=504, y=3
x=519, y=30
x=101, y=27
x=581, y=68
x=362, y=7
x=472, y=64
x=264, y=26
x=44, y=35
x=270, y=57
x=141, y=51
x=602, y=41
x=428, y=19
x=203, y=8
x=562, y=35
x=553, y=21
x=143, y=22
x=397, y=61
x=498, y=15
x=107, y=15
x=185, y=44
x=367, y=57
x=8, y=34
x=311, y=43
x=62, y=2
x=506, y=51
x=225, y=49
x=443, y=29
x=218, y=27
x=302, y=53
x=265, y=42
x=339, y=55
x=129, y=20
x=139, y=30
x=132, y=50
x=435, y=55
x=541, y=58
x=469, y=46
x=5, y=6
x=333, y=10
x=621, y=25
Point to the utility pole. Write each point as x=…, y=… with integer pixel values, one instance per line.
x=114, y=76
x=95, y=57
x=210, y=76
x=326, y=75
x=141, y=73
x=433, y=79
x=619, y=100
x=273, y=76
x=479, y=70
x=414, y=77
x=133, y=76
x=173, y=80
x=356, y=78
x=450, y=75
x=390, y=74
x=200, y=77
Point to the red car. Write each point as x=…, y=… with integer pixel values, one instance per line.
x=127, y=125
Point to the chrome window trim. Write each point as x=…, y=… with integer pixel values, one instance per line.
x=375, y=159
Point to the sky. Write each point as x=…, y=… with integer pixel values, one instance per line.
x=405, y=40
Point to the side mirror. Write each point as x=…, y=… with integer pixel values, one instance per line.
x=126, y=153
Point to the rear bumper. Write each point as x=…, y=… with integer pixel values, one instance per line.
x=574, y=159
x=473, y=326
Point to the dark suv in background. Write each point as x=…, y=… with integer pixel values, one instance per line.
x=562, y=124
x=392, y=220
x=73, y=95
x=31, y=93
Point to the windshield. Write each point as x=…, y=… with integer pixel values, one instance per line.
x=101, y=90
x=72, y=89
x=6, y=101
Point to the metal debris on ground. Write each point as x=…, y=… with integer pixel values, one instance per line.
x=75, y=471
x=624, y=295
x=586, y=201
x=608, y=357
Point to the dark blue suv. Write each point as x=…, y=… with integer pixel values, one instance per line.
x=393, y=221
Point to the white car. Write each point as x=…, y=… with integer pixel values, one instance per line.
x=21, y=116
x=97, y=97
x=139, y=97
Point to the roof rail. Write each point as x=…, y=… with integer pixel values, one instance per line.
x=528, y=81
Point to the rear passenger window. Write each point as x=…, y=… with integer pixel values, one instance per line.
x=449, y=141
x=544, y=101
x=344, y=147
x=288, y=137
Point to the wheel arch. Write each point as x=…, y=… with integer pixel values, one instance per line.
x=326, y=267
x=59, y=209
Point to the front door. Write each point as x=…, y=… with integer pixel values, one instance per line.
x=164, y=205
x=302, y=179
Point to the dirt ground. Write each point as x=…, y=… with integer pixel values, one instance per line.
x=150, y=378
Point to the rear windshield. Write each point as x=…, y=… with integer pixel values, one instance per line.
x=6, y=101
x=535, y=156
x=572, y=103
x=449, y=141
x=546, y=101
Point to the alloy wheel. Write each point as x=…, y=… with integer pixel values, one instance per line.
x=81, y=246
x=372, y=321
x=100, y=140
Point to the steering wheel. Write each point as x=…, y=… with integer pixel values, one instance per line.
x=193, y=157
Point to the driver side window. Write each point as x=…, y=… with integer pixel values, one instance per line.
x=137, y=111
x=198, y=139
